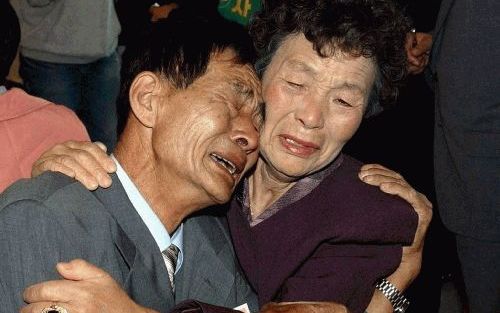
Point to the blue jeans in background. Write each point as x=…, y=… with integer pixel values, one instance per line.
x=91, y=90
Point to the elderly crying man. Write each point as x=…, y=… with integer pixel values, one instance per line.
x=190, y=136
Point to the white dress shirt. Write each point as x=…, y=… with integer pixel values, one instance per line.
x=153, y=223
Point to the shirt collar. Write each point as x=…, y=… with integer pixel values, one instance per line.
x=2, y=89
x=153, y=223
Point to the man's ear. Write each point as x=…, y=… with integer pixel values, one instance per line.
x=142, y=95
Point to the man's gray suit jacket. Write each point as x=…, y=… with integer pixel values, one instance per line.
x=465, y=66
x=53, y=218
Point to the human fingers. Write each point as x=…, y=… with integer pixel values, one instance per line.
x=403, y=190
x=375, y=174
x=418, y=44
x=40, y=166
x=369, y=166
x=418, y=64
x=101, y=146
x=411, y=41
x=86, y=289
x=53, y=291
x=161, y=12
x=38, y=307
x=423, y=208
x=98, y=151
x=419, y=56
x=85, y=161
x=419, y=202
x=79, y=269
x=412, y=60
x=425, y=61
x=424, y=43
x=53, y=151
x=69, y=166
x=75, y=272
x=415, y=70
x=394, y=183
x=419, y=51
x=154, y=16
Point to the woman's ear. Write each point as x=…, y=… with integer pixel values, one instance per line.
x=142, y=95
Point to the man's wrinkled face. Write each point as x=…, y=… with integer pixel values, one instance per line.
x=208, y=133
x=314, y=105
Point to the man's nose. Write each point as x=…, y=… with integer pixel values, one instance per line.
x=245, y=134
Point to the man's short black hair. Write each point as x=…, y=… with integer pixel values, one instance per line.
x=10, y=34
x=179, y=49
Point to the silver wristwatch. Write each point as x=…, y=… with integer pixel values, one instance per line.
x=396, y=298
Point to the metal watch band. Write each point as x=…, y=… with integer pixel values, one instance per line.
x=395, y=297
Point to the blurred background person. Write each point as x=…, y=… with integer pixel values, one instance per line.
x=9, y=40
x=28, y=125
x=464, y=62
x=68, y=56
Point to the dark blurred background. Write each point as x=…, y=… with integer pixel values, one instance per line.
x=401, y=138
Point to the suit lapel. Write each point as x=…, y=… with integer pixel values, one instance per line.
x=147, y=281
x=204, y=275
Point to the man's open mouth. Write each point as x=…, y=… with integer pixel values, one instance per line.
x=225, y=163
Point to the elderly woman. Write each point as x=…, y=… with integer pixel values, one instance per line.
x=304, y=226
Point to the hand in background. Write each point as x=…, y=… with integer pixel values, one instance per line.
x=162, y=11
x=418, y=47
x=303, y=307
x=85, y=161
x=87, y=288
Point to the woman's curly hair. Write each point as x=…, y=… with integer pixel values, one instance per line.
x=371, y=28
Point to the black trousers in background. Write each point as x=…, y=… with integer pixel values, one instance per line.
x=480, y=262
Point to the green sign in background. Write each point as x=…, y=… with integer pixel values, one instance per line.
x=238, y=10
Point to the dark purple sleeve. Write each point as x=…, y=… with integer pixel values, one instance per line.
x=342, y=273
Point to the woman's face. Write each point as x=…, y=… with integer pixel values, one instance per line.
x=314, y=105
